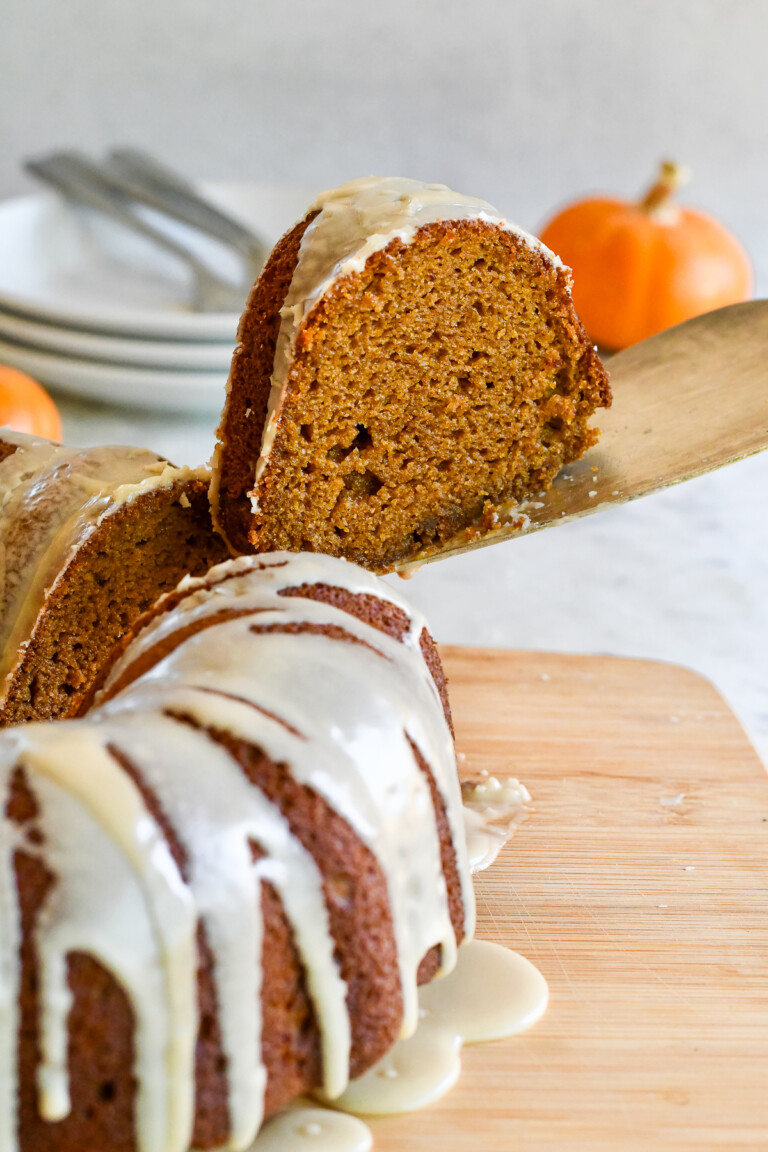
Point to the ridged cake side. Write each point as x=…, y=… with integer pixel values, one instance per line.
x=245, y=859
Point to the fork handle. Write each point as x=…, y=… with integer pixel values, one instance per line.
x=76, y=180
x=162, y=188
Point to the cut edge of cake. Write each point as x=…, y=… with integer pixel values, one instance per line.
x=516, y=388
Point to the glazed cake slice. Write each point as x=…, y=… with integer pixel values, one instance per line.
x=408, y=363
x=88, y=541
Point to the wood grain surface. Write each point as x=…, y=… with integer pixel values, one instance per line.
x=639, y=886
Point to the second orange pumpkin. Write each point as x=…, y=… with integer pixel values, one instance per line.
x=640, y=268
x=25, y=406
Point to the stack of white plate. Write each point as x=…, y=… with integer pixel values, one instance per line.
x=90, y=308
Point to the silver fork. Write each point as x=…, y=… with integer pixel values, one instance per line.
x=85, y=184
x=158, y=186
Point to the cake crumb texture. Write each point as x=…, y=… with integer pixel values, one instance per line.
x=135, y=555
x=447, y=377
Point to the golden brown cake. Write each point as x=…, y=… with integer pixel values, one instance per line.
x=408, y=363
x=221, y=887
x=88, y=541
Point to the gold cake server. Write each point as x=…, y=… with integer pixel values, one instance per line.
x=685, y=402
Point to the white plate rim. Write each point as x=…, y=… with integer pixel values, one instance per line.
x=194, y=355
x=164, y=323
x=113, y=383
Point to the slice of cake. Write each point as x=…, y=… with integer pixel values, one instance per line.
x=88, y=541
x=408, y=363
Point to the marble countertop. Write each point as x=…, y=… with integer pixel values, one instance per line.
x=681, y=576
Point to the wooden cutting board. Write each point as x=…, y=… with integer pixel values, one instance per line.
x=639, y=887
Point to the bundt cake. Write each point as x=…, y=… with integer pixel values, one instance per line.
x=221, y=887
x=225, y=872
x=408, y=364
x=88, y=541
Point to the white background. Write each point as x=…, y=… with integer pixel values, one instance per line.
x=524, y=103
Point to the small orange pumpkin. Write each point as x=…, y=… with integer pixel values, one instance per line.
x=26, y=407
x=640, y=268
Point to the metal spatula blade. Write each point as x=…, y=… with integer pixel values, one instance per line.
x=685, y=402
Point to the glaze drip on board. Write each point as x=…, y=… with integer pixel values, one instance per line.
x=493, y=809
x=314, y=1130
x=491, y=993
x=346, y=715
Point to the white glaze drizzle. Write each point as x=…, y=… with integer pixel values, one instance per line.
x=232, y=586
x=64, y=493
x=118, y=896
x=354, y=750
x=216, y=813
x=347, y=707
x=355, y=221
x=493, y=809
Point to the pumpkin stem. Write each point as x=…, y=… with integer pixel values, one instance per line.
x=671, y=177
